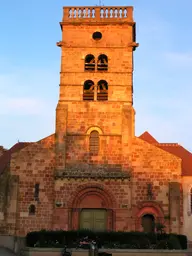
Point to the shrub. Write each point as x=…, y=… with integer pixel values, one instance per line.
x=183, y=241
x=162, y=245
x=173, y=242
x=160, y=227
x=126, y=240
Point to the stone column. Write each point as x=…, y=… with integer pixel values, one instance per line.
x=60, y=134
x=12, y=214
x=128, y=133
x=174, y=206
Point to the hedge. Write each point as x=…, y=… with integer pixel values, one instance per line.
x=46, y=238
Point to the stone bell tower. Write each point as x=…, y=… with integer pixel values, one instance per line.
x=94, y=115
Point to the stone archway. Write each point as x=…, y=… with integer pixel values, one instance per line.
x=153, y=213
x=93, y=205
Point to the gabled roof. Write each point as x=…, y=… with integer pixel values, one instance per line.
x=175, y=149
x=6, y=157
x=148, y=138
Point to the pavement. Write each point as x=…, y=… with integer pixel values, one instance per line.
x=6, y=252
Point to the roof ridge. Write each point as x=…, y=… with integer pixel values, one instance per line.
x=146, y=136
x=169, y=144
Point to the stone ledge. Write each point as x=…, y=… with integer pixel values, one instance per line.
x=99, y=174
x=116, y=252
x=105, y=250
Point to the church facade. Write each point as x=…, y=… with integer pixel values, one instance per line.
x=93, y=172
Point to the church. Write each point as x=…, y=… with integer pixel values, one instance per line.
x=94, y=172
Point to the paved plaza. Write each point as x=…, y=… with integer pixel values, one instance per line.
x=5, y=252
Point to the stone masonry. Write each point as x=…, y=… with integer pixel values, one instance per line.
x=59, y=177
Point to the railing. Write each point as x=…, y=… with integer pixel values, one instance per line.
x=102, y=96
x=90, y=66
x=88, y=95
x=95, y=13
x=102, y=67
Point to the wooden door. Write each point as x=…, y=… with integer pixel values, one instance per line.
x=93, y=219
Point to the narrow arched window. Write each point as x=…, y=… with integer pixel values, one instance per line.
x=89, y=63
x=94, y=143
x=36, y=192
x=32, y=209
x=88, y=90
x=102, y=90
x=102, y=63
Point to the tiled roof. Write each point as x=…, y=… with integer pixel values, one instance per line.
x=175, y=149
x=148, y=137
x=6, y=157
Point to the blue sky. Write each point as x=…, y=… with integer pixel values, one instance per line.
x=30, y=66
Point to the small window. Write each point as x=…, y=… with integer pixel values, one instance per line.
x=102, y=90
x=94, y=143
x=102, y=63
x=88, y=90
x=32, y=209
x=36, y=193
x=97, y=35
x=134, y=33
x=89, y=63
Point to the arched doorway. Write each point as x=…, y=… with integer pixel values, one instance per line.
x=92, y=208
x=147, y=213
x=148, y=223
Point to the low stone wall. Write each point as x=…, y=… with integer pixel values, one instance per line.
x=189, y=245
x=13, y=243
x=7, y=242
x=57, y=252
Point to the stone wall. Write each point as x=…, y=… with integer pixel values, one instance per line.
x=57, y=252
x=129, y=199
x=8, y=201
x=14, y=244
x=149, y=165
x=187, y=209
x=80, y=118
x=72, y=194
x=157, y=167
x=34, y=164
x=4, y=192
x=120, y=60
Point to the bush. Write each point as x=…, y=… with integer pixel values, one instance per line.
x=160, y=227
x=162, y=245
x=173, y=242
x=124, y=240
x=183, y=241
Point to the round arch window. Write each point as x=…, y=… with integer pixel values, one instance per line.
x=97, y=35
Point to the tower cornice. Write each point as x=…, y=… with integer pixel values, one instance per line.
x=129, y=45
